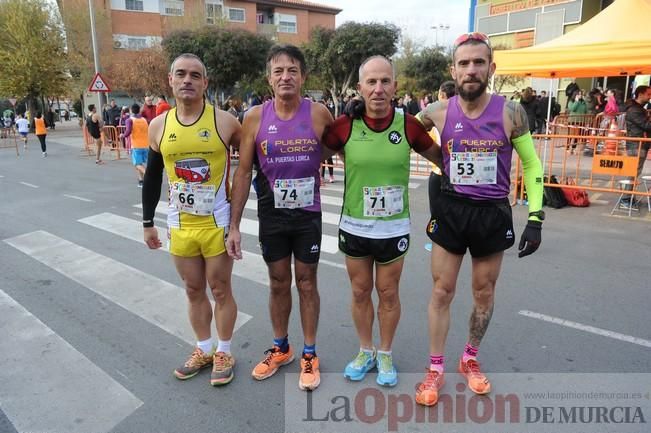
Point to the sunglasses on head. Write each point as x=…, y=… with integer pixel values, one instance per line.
x=473, y=36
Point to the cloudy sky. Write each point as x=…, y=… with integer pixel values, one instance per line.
x=414, y=17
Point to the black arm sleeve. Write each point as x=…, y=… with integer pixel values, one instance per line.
x=151, y=186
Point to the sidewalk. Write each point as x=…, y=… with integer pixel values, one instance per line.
x=68, y=133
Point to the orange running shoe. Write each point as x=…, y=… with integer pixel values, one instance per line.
x=198, y=360
x=272, y=362
x=477, y=382
x=427, y=392
x=310, y=376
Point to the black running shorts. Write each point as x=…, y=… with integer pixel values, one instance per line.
x=281, y=238
x=484, y=227
x=383, y=251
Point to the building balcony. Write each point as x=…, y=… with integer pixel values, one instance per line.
x=270, y=30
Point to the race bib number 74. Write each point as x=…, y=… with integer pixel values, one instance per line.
x=294, y=193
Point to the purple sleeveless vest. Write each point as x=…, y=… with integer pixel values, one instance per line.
x=484, y=134
x=286, y=149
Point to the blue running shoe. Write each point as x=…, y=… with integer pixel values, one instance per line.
x=358, y=367
x=386, y=372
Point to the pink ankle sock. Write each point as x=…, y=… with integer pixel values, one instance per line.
x=437, y=362
x=469, y=352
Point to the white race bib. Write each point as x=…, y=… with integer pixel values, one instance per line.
x=294, y=193
x=193, y=198
x=473, y=168
x=382, y=201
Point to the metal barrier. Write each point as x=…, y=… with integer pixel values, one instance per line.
x=112, y=140
x=596, y=172
x=8, y=139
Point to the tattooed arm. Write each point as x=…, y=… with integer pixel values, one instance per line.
x=516, y=118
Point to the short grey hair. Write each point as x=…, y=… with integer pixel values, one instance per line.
x=189, y=56
x=368, y=59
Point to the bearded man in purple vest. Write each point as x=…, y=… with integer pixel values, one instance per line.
x=479, y=132
x=282, y=138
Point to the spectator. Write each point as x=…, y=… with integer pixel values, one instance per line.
x=576, y=108
x=411, y=104
x=570, y=91
x=637, y=125
x=114, y=114
x=530, y=105
x=161, y=105
x=611, y=103
x=148, y=111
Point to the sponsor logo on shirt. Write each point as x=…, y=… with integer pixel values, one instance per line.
x=458, y=127
x=204, y=134
x=171, y=137
x=395, y=137
x=272, y=129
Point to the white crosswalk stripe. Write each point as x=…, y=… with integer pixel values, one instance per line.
x=158, y=302
x=45, y=381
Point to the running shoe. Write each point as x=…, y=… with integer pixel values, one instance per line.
x=427, y=392
x=363, y=363
x=477, y=382
x=273, y=360
x=386, y=372
x=222, y=369
x=197, y=360
x=310, y=376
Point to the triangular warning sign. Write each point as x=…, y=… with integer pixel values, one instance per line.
x=98, y=84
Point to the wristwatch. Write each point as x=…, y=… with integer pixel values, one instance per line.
x=540, y=214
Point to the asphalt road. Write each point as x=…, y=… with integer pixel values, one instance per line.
x=93, y=323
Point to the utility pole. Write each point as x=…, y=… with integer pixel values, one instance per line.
x=91, y=8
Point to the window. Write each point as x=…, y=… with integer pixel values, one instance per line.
x=214, y=11
x=286, y=23
x=133, y=5
x=136, y=43
x=236, y=14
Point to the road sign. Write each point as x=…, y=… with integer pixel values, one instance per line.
x=98, y=84
x=13, y=101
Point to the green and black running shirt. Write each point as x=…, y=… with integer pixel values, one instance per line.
x=376, y=166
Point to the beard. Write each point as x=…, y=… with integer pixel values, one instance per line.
x=474, y=94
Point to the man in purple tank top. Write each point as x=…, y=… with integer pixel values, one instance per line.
x=471, y=212
x=282, y=138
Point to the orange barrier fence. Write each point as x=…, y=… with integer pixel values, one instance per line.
x=8, y=139
x=601, y=169
x=112, y=140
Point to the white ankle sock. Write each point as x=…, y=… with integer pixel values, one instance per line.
x=206, y=346
x=224, y=346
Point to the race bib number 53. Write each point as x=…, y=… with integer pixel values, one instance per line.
x=382, y=201
x=193, y=198
x=473, y=168
x=294, y=193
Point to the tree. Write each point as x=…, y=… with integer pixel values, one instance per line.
x=337, y=55
x=33, y=57
x=429, y=68
x=76, y=21
x=141, y=73
x=229, y=55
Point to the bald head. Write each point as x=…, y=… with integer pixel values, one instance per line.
x=374, y=62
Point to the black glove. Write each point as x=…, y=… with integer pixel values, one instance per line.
x=531, y=238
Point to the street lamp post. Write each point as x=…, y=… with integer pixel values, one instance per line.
x=436, y=29
x=95, y=52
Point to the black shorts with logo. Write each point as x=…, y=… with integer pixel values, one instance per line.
x=279, y=238
x=383, y=251
x=484, y=227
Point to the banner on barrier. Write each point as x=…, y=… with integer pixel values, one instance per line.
x=613, y=165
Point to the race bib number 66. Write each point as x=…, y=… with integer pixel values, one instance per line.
x=193, y=198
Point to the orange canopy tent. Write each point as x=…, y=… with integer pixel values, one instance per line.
x=614, y=42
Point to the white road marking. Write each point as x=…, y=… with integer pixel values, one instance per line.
x=76, y=197
x=31, y=185
x=586, y=328
x=158, y=302
x=47, y=384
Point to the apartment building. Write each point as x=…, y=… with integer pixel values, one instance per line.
x=139, y=24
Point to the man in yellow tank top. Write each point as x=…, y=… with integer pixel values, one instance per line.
x=192, y=142
x=137, y=129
